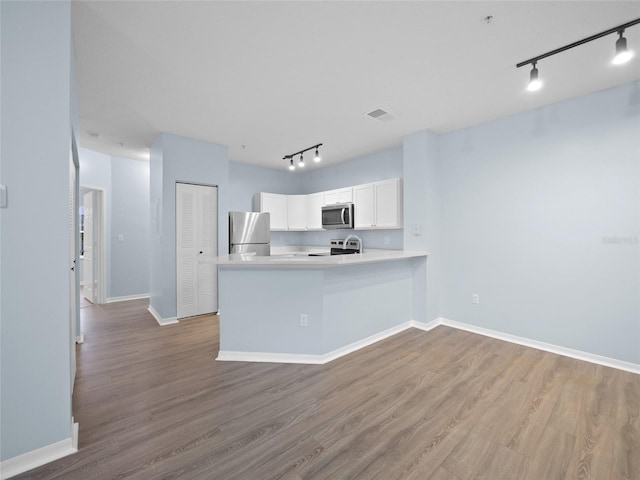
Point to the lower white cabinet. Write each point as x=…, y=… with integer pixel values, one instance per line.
x=378, y=205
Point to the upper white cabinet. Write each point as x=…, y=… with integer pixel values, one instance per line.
x=341, y=195
x=296, y=212
x=364, y=206
x=388, y=198
x=378, y=205
x=276, y=205
x=314, y=205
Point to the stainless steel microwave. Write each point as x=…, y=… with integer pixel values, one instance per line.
x=337, y=216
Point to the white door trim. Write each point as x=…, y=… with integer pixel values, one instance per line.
x=102, y=256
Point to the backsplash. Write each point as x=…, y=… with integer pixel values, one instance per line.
x=370, y=238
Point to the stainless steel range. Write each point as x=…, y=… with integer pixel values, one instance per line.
x=338, y=248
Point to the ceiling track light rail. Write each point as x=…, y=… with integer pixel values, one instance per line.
x=622, y=53
x=316, y=157
x=619, y=29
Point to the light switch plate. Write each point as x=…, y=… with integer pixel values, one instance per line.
x=3, y=196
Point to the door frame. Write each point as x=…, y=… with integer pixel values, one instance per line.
x=101, y=291
x=74, y=277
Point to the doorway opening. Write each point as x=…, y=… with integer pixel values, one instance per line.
x=92, y=244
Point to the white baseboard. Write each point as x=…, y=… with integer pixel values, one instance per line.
x=126, y=298
x=426, y=326
x=75, y=429
x=328, y=357
x=161, y=321
x=235, y=356
x=365, y=342
x=547, y=347
x=37, y=458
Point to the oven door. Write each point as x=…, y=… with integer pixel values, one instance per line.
x=337, y=216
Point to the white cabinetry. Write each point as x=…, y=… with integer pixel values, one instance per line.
x=296, y=212
x=276, y=205
x=378, y=205
x=363, y=206
x=341, y=195
x=314, y=203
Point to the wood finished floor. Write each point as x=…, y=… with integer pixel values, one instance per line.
x=153, y=403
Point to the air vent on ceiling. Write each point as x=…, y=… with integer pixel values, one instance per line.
x=380, y=114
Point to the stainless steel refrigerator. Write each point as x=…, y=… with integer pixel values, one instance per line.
x=250, y=232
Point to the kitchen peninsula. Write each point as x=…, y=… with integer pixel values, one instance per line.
x=312, y=309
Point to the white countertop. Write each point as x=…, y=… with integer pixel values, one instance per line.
x=298, y=258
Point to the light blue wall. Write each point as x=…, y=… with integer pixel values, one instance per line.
x=95, y=169
x=343, y=305
x=129, y=218
x=125, y=186
x=529, y=202
x=376, y=166
x=364, y=300
x=423, y=208
x=95, y=173
x=173, y=159
x=247, y=180
x=35, y=343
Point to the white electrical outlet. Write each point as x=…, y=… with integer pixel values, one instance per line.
x=304, y=320
x=475, y=298
x=386, y=240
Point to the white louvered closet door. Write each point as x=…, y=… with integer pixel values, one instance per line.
x=196, y=247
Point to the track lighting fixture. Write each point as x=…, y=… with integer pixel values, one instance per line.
x=534, y=82
x=623, y=55
x=291, y=156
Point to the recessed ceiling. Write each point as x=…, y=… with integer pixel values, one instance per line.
x=268, y=78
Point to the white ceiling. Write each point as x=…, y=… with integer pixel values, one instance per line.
x=270, y=78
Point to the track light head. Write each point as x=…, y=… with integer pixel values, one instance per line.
x=291, y=157
x=534, y=82
x=623, y=54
